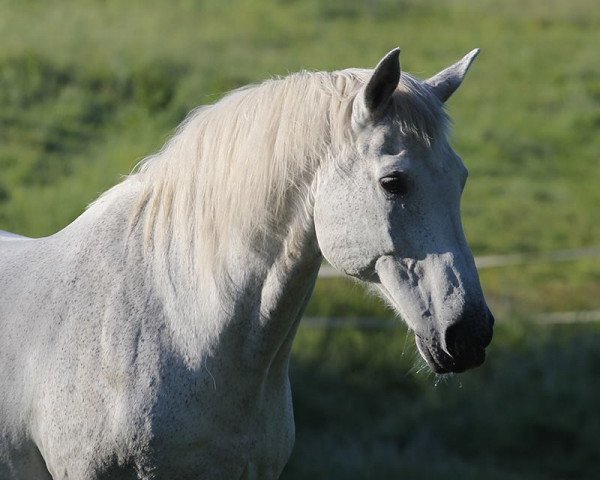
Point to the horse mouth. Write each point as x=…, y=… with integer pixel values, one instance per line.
x=441, y=362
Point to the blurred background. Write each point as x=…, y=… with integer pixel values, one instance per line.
x=88, y=88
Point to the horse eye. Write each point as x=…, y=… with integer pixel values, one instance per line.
x=396, y=184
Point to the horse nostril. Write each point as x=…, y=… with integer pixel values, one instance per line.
x=466, y=336
x=455, y=338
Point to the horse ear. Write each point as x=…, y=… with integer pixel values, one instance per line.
x=445, y=83
x=384, y=81
x=380, y=87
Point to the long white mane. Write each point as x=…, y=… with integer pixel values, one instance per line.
x=232, y=167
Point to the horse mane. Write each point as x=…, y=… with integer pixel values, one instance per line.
x=231, y=167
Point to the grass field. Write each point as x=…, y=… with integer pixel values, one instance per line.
x=89, y=88
x=363, y=409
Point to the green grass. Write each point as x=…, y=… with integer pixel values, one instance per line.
x=95, y=86
x=363, y=409
x=89, y=88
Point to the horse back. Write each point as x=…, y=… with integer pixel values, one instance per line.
x=8, y=236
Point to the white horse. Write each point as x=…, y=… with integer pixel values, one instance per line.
x=150, y=339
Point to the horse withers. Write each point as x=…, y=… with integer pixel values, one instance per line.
x=151, y=337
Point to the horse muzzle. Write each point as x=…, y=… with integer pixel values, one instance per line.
x=460, y=347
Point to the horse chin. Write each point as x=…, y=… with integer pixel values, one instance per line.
x=440, y=362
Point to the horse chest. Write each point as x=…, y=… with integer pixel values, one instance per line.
x=241, y=433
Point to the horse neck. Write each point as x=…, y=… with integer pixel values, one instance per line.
x=250, y=306
x=285, y=285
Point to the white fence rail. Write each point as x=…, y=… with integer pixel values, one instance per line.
x=509, y=260
x=488, y=261
x=383, y=323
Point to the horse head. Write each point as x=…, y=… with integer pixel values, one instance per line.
x=387, y=211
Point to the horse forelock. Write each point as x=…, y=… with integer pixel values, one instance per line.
x=418, y=112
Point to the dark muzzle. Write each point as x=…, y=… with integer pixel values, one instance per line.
x=465, y=342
